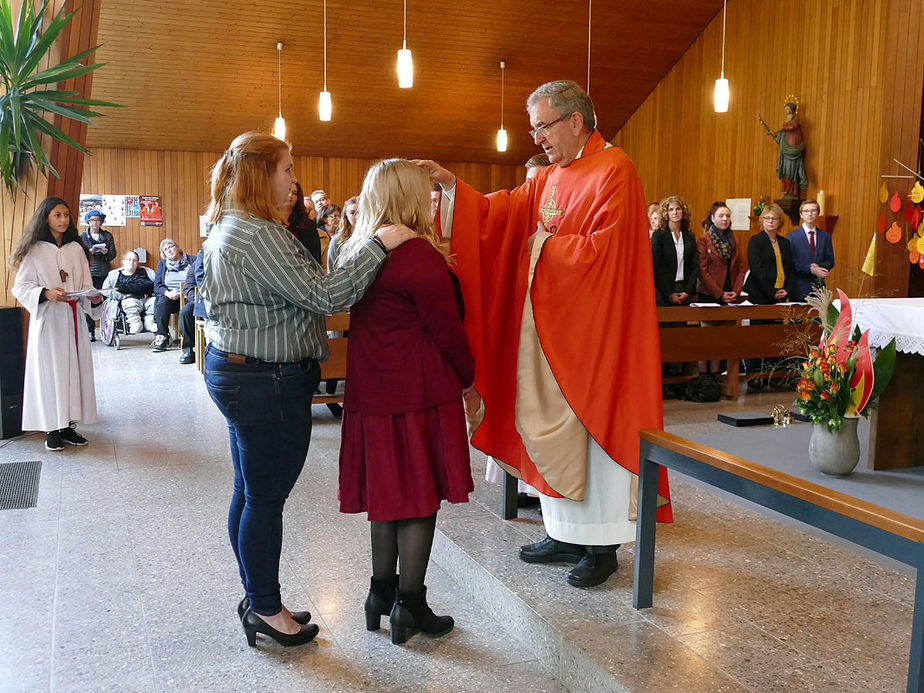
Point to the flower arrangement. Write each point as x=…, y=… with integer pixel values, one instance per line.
x=840, y=378
x=759, y=207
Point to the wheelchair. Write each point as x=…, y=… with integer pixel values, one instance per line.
x=113, y=323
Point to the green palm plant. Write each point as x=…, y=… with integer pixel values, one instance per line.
x=30, y=93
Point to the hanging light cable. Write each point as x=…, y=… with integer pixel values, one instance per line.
x=405, y=64
x=720, y=97
x=502, y=134
x=279, y=129
x=324, y=104
x=589, y=9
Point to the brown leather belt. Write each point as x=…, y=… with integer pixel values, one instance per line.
x=238, y=359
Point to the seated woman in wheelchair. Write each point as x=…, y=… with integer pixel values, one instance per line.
x=133, y=289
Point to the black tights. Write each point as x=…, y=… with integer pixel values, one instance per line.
x=409, y=539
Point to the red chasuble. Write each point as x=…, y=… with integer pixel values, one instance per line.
x=592, y=297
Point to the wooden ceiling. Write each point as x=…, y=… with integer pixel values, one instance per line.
x=194, y=74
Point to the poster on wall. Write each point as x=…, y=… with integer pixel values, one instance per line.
x=114, y=209
x=150, y=210
x=132, y=206
x=205, y=226
x=740, y=212
x=87, y=204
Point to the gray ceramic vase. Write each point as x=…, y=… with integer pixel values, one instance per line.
x=837, y=453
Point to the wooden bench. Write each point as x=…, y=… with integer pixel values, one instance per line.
x=883, y=530
x=335, y=366
x=726, y=338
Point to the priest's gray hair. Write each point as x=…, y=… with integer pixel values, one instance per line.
x=564, y=97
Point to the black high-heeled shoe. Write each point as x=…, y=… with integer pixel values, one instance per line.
x=411, y=612
x=300, y=617
x=253, y=624
x=380, y=601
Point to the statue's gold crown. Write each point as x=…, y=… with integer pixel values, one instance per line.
x=792, y=98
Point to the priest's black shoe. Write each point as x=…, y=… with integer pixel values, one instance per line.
x=551, y=551
x=524, y=500
x=593, y=569
x=300, y=617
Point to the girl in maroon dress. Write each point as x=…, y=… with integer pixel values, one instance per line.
x=404, y=445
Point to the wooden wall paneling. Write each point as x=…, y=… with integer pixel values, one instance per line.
x=839, y=63
x=903, y=77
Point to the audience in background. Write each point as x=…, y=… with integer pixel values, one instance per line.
x=300, y=222
x=812, y=250
x=655, y=218
x=192, y=309
x=536, y=163
x=674, y=255
x=344, y=231
x=170, y=275
x=772, y=278
x=328, y=220
x=133, y=289
x=102, y=252
x=721, y=270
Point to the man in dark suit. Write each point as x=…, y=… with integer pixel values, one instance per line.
x=813, y=252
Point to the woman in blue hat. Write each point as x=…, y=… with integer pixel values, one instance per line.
x=102, y=252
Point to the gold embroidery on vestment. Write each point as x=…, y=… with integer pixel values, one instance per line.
x=549, y=210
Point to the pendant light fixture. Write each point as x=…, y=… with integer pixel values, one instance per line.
x=502, y=134
x=720, y=96
x=279, y=130
x=405, y=64
x=324, y=104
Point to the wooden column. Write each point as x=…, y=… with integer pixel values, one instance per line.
x=77, y=36
x=15, y=213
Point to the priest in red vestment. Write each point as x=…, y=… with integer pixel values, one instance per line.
x=558, y=288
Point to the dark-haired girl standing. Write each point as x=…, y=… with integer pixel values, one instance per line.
x=51, y=264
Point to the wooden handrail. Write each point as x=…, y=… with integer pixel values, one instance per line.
x=874, y=515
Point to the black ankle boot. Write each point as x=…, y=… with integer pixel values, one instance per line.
x=411, y=612
x=380, y=601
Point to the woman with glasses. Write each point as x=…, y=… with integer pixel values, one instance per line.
x=168, y=280
x=772, y=279
x=773, y=274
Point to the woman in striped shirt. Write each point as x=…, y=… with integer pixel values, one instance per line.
x=266, y=298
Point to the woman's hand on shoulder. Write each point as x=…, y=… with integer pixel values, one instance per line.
x=394, y=235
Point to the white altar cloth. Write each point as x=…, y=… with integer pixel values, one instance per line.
x=902, y=318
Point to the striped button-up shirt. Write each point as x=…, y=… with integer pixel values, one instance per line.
x=266, y=297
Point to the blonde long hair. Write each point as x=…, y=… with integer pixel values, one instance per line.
x=395, y=191
x=240, y=179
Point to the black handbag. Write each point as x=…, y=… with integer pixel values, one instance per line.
x=703, y=388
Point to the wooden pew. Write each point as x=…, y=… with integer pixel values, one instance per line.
x=335, y=366
x=726, y=338
x=883, y=530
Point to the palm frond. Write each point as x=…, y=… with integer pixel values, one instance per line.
x=25, y=41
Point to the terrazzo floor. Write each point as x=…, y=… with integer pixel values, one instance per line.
x=121, y=579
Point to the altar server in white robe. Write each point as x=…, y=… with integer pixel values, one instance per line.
x=51, y=263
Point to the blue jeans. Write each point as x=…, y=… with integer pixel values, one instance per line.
x=268, y=409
